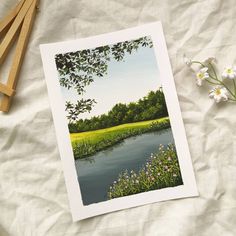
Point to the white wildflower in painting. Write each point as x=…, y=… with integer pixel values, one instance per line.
x=219, y=94
x=229, y=72
x=202, y=74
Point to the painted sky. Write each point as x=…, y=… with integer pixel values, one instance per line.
x=126, y=81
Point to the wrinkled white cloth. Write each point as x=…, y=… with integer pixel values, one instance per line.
x=33, y=198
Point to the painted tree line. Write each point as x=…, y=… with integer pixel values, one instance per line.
x=150, y=107
x=77, y=70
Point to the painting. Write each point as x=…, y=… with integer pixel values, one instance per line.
x=115, y=122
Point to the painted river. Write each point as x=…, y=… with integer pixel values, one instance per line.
x=96, y=173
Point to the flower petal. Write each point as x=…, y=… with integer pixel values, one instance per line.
x=224, y=97
x=211, y=95
x=224, y=75
x=224, y=90
x=199, y=82
x=204, y=69
x=206, y=75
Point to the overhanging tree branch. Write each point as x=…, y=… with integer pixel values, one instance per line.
x=77, y=70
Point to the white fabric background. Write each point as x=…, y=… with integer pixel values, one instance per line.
x=33, y=198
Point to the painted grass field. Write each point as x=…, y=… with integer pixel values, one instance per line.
x=88, y=143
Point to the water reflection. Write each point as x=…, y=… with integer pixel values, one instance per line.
x=109, y=150
x=96, y=173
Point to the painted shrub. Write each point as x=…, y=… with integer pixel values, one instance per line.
x=160, y=171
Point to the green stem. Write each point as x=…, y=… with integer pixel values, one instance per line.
x=232, y=99
x=234, y=86
x=222, y=83
x=198, y=62
x=213, y=77
x=210, y=82
x=213, y=69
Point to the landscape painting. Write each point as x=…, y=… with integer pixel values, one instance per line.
x=118, y=120
x=118, y=123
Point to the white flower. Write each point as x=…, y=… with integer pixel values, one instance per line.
x=219, y=94
x=210, y=60
x=187, y=61
x=229, y=72
x=202, y=75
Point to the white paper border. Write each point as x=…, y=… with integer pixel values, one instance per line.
x=79, y=211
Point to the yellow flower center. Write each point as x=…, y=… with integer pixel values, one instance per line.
x=200, y=75
x=229, y=71
x=217, y=92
